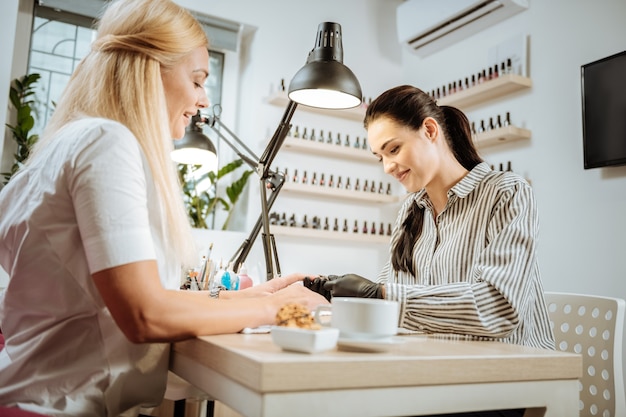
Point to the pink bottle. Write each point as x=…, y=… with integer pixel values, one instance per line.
x=244, y=280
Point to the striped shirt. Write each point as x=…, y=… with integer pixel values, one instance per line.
x=476, y=272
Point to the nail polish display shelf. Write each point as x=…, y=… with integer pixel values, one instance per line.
x=339, y=193
x=302, y=232
x=281, y=99
x=328, y=149
x=500, y=135
x=488, y=90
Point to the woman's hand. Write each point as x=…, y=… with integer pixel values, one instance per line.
x=269, y=287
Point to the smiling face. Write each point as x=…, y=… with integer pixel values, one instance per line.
x=410, y=156
x=184, y=90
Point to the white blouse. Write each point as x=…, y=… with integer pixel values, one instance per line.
x=85, y=203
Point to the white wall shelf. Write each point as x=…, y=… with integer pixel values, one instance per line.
x=281, y=99
x=326, y=149
x=501, y=135
x=488, y=90
x=301, y=232
x=339, y=193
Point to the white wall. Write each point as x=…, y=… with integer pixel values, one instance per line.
x=583, y=227
x=279, y=47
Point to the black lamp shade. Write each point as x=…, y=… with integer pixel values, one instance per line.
x=324, y=81
x=195, y=148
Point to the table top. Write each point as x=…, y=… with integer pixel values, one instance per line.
x=254, y=361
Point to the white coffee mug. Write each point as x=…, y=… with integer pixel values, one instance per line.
x=360, y=318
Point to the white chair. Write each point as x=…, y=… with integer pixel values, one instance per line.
x=592, y=326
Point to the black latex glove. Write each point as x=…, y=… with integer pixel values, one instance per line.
x=352, y=285
x=317, y=284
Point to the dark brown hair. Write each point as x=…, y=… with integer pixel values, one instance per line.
x=408, y=106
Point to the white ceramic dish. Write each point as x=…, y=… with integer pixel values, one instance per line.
x=302, y=340
x=367, y=345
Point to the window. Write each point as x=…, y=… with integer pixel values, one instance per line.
x=60, y=39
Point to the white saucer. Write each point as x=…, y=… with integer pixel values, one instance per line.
x=367, y=345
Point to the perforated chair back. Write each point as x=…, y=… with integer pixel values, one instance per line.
x=592, y=326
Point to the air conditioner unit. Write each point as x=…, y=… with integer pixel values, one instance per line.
x=427, y=26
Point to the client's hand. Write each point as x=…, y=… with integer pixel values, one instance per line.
x=352, y=285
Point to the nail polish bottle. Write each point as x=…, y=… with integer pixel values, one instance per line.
x=381, y=230
x=305, y=135
x=286, y=175
x=305, y=222
x=373, y=187
x=244, y=279
x=355, y=229
x=312, y=137
x=491, y=125
x=365, y=187
x=336, y=225
x=320, y=138
x=296, y=134
x=364, y=146
x=316, y=223
x=357, y=187
x=330, y=138
x=388, y=188
x=380, y=188
x=305, y=180
x=295, y=175
x=365, y=227
x=292, y=220
x=388, y=229
x=326, y=226
x=339, y=183
x=357, y=143
x=283, y=220
x=373, y=229
x=348, y=186
x=322, y=181
x=482, y=126
x=330, y=182
x=338, y=140
x=345, y=225
x=507, y=119
x=498, y=121
x=347, y=141
x=314, y=179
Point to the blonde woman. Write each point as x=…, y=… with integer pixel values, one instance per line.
x=93, y=233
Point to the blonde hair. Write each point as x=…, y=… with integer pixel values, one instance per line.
x=120, y=79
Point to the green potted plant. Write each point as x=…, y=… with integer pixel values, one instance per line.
x=22, y=97
x=201, y=202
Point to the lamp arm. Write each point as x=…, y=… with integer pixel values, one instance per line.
x=251, y=159
x=268, y=180
x=277, y=139
x=242, y=253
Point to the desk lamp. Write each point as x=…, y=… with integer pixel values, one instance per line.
x=323, y=82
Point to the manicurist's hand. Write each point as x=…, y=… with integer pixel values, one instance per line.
x=352, y=285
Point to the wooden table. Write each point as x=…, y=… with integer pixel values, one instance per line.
x=420, y=375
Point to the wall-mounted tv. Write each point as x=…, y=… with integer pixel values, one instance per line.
x=604, y=111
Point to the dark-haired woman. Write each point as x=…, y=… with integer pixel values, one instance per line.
x=463, y=258
x=463, y=261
